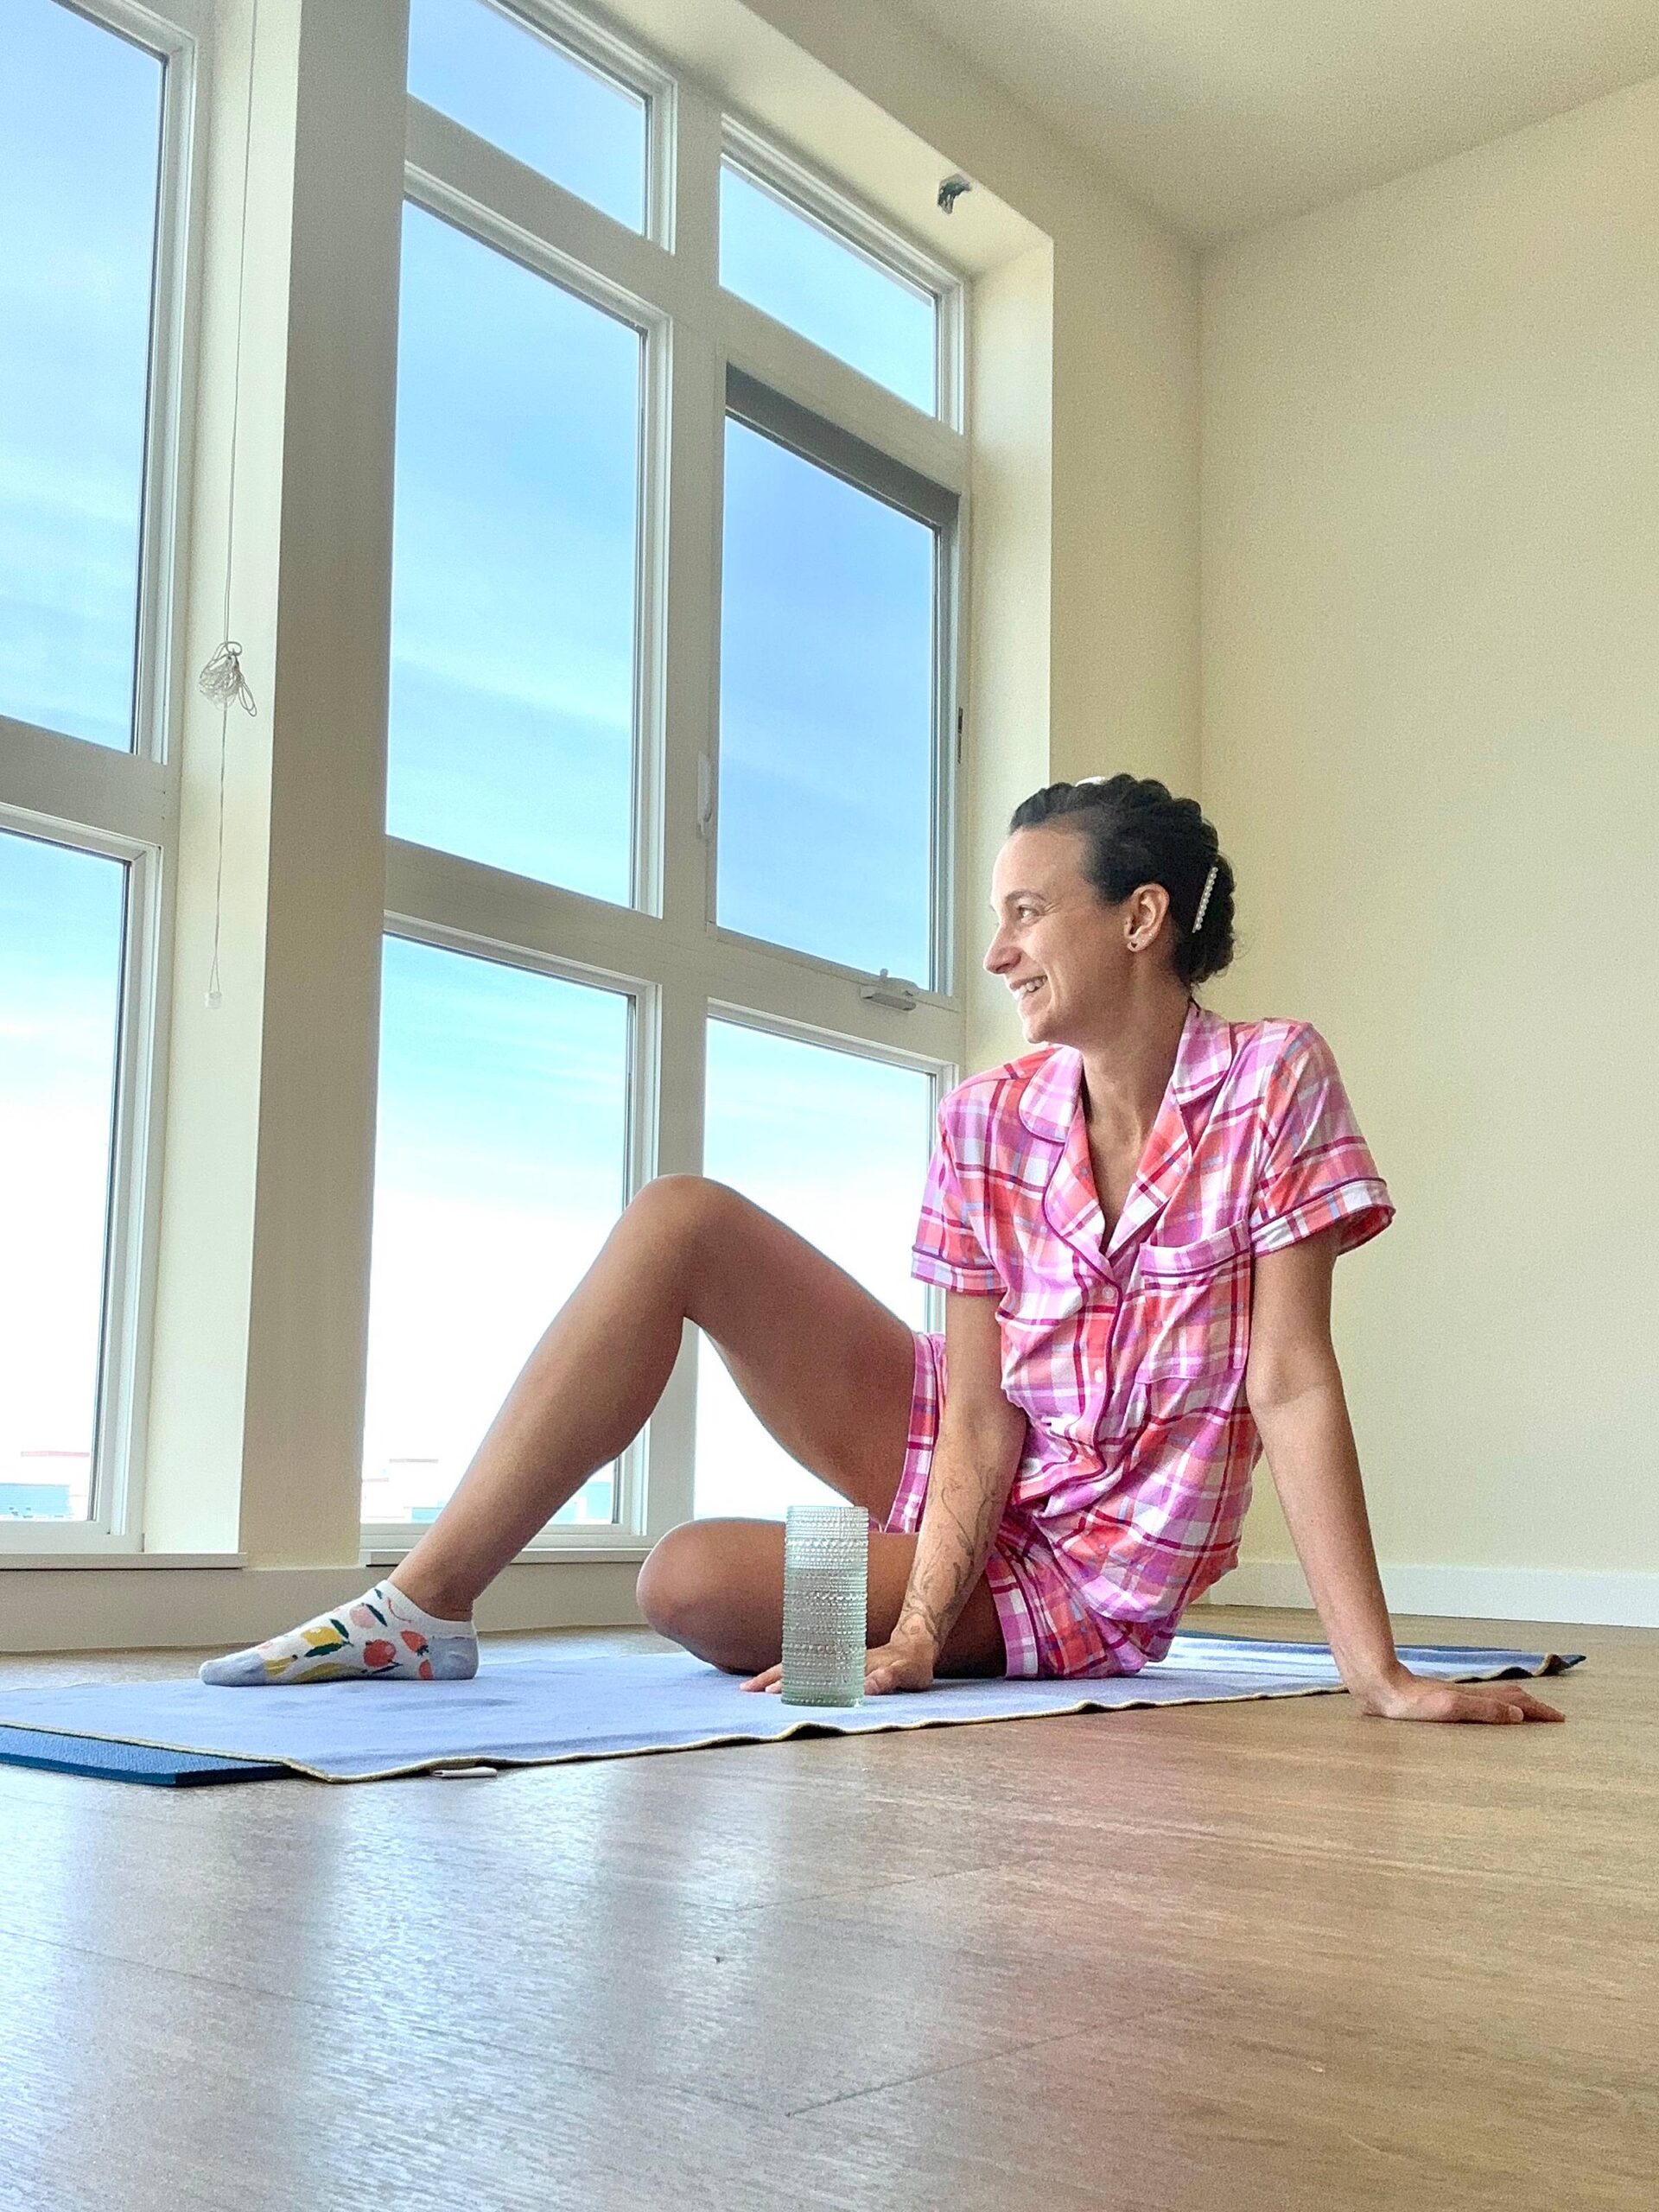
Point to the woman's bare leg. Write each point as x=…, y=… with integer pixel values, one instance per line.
x=717, y=1587
x=826, y=1368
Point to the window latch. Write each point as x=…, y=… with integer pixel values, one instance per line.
x=892, y=990
x=705, y=796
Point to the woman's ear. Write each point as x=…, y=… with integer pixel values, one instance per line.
x=1147, y=906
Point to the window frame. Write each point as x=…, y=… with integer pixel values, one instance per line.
x=123, y=804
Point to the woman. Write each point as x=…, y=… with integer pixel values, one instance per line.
x=1135, y=1224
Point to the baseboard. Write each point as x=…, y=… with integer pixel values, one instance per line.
x=149, y=1609
x=1505, y=1593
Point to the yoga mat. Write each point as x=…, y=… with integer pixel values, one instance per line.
x=536, y=1712
x=112, y=1761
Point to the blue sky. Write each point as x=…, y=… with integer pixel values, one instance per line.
x=503, y=1101
x=79, y=141
x=825, y=713
x=822, y=288
x=513, y=567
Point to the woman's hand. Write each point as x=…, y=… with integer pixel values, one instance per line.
x=903, y=1663
x=1406, y=1696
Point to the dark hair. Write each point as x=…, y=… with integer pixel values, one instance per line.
x=1134, y=831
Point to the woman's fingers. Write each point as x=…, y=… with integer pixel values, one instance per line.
x=875, y=1683
x=1537, y=1710
x=1504, y=1705
x=1525, y=1707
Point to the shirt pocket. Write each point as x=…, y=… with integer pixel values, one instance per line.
x=1194, y=1302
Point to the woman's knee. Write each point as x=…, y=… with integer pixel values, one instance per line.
x=690, y=1590
x=677, y=1585
x=683, y=1214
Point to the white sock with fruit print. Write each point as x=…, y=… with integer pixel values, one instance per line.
x=381, y=1636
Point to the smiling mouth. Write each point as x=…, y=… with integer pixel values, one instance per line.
x=1022, y=991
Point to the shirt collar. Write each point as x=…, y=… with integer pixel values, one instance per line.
x=1049, y=1103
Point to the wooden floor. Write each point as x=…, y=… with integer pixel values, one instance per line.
x=1250, y=1958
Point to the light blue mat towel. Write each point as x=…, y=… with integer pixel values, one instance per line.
x=536, y=1712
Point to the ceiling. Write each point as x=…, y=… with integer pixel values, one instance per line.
x=1227, y=115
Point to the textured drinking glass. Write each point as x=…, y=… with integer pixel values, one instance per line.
x=826, y=1578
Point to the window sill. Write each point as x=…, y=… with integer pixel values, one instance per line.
x=56, y=1562
x=632, y=1549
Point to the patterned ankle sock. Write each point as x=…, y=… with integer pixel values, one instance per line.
x=382, y=1636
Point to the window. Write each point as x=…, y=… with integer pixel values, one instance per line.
x=790, y=265
x=664, y=599
x=501, y=1163
x=515, y=554
x=828, y=712
x=92, y=117
x=829, y=1141
x=81, y=117
x=63, y=923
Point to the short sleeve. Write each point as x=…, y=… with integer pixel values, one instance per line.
x=1316, y=1169
x=948, y=1250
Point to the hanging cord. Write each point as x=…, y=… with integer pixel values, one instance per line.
x=222, y=680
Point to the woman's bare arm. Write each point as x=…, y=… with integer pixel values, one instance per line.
x=981, y=1438
x=1294, y=1391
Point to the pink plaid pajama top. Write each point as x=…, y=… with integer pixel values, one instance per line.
x=1128, y=1361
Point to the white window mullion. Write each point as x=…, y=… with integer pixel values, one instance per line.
x=64, y=781
x=799, y=371
x=696, y=410
x=321, y=966
x=475, y=184
x=671, y=1435
x=491, y=912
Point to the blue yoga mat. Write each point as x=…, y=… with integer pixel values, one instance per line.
x=112, y=1761
x=536, y=1712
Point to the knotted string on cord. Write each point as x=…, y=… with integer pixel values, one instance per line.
x=222, y=680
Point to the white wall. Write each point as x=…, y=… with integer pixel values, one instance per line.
x=1431, y=659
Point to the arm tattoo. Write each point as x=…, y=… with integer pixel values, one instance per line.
x=954, y=1543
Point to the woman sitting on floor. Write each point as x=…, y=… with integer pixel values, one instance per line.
x=1135, y=1224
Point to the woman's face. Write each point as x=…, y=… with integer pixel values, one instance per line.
x=1060, y=949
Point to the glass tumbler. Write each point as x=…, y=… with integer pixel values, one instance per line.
x=826, y=1581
